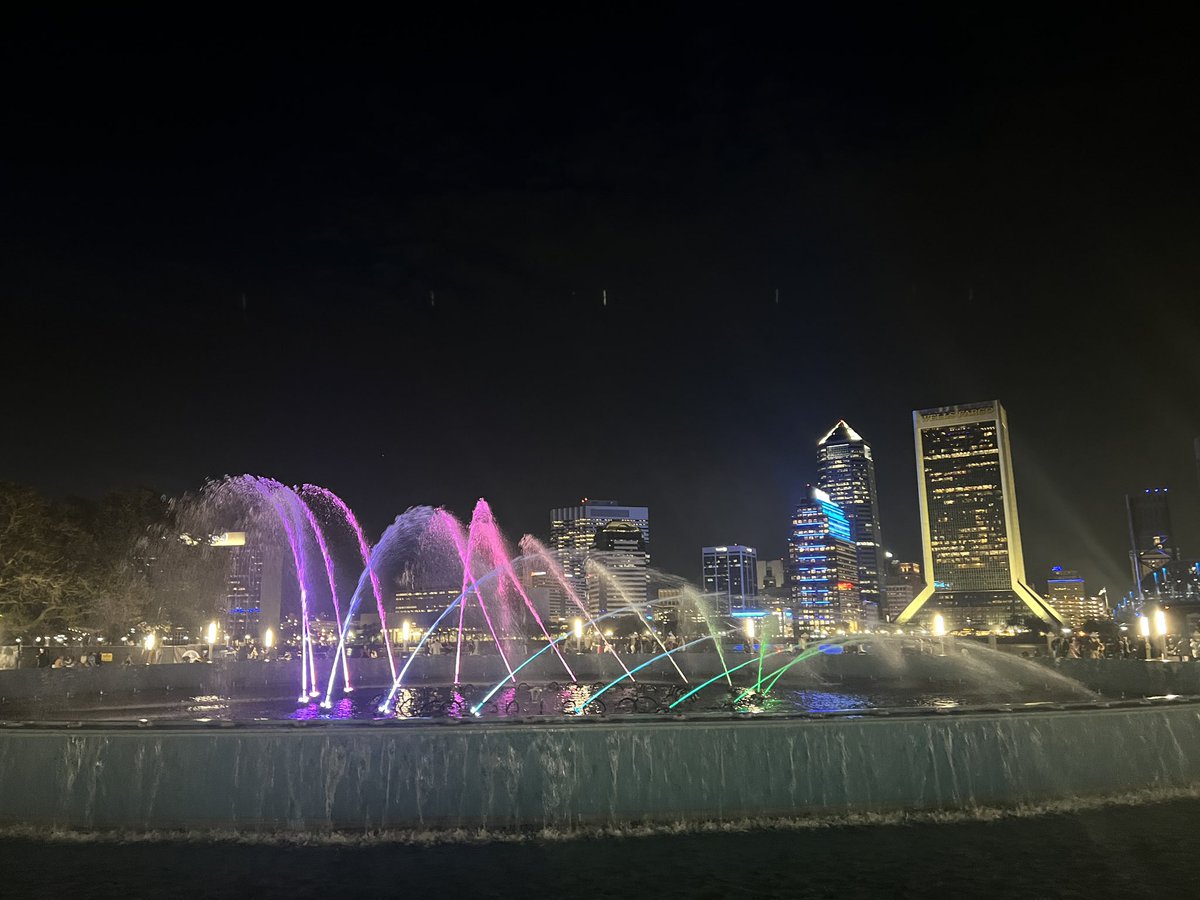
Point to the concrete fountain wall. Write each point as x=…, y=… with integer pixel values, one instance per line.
x=524, y=775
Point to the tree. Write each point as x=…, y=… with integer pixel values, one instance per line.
x=108, y=565
x=113, y=556
x=42, y=587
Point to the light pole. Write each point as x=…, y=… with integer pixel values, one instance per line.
x=268, y=640
x=405, y=631
x=211, y=634
x=148, y=643
x=579, y=635
x=1144, y=630
x=1160, y=629
x=939, y=629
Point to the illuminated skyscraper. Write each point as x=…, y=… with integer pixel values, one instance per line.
x=846, y=472
x=822, y=565
x=573, y=531
x=969, y=529
x=730, y=572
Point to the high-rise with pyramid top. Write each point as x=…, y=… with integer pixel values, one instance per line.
x=846, y=472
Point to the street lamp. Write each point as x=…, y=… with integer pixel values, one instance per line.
x=579, y=635
x=211, y=634
x=1160, y=629
x=148, y=643
x=939, y=629
x=405, y=631
x=1144, y=630
x=750, y=630
x=269, y=639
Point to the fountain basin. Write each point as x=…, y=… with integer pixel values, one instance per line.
x=528, y=775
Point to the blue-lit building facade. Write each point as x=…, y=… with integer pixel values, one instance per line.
x=846, y=472
x=822, y=566
x=730, y=572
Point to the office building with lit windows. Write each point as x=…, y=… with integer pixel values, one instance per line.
x=731, y=573
x=616, y=568
x=971, y=538
x=822, y=566
x=902, y=584
x=254, y=586
x=573, y=538
x=1067, y=593
x=846, y=472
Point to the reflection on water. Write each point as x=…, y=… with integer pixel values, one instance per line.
x=343, y=709
x=208, y=705
x=552, y=700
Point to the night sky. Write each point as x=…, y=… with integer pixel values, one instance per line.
x=422, y=216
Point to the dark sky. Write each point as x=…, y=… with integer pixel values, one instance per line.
x=952, y=209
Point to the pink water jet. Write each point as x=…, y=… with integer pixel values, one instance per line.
x=483, y=523
x=445, y=524
x=364, y=551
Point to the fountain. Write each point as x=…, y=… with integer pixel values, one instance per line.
x=731, y=720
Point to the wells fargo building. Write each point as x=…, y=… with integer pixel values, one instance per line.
x=969, y=527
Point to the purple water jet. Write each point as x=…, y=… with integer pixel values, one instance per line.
x=364, y=550
x=270, y=490
x=444, y=523
x=329, y=573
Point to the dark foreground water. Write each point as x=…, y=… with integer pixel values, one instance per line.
x=1118, y=851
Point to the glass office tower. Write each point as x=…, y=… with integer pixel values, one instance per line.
x=731, y=572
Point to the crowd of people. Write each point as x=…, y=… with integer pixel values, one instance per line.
x=1080, y=645
x=1092, y=646
x=46, y=660
x=588, y=643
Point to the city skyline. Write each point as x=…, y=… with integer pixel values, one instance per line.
x=1109, y=572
